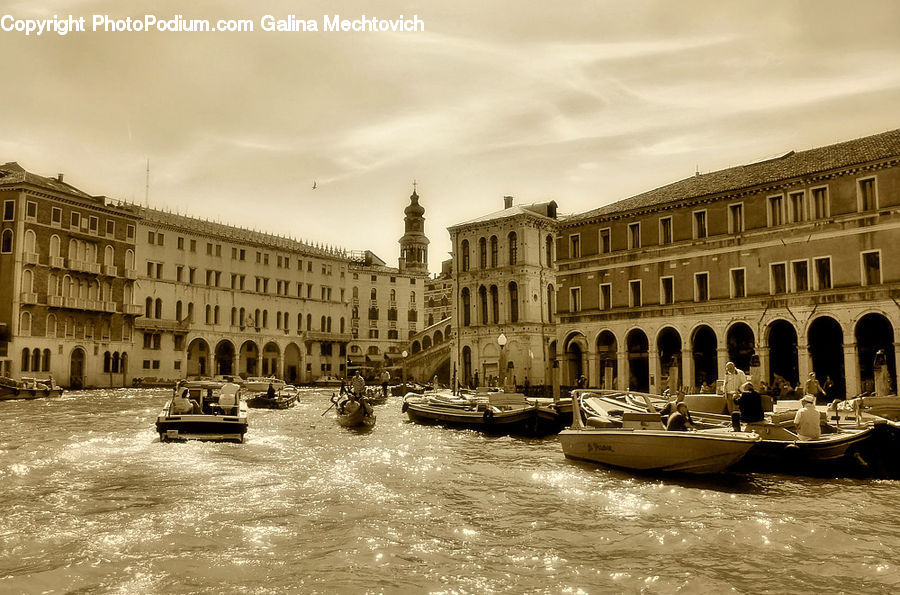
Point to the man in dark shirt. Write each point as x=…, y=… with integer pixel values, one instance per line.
x=680, y=420
x=750, y=404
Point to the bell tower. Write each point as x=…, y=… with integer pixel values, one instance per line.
x=414, y=244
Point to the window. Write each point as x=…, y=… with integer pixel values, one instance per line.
x=495, y=304
x=736, y=218
x=466, y=307
x=6, y=244
x=494, y=251
x=464, y=248
x=31, y=210
x=482, y=253
x=513, y=302
x=548, y=248
x=605, y=240
x=605, y=296
x=777, y=277
x=819, y=207
x=666, y=290
x=776, y=210
x=56, y=216
x=700, y=230
x=9, y=210
x=151, y=237
x=822, y=271
x=513, y=247
x=665, y=230
x=193, y=245
x=871, y=267
x=800, y=275
x=798, y=206
x=867, y=199
x=701, y=287
x=74, y=221
x=738, y=283
x=575, y=245
x=634, y=293
x=129, y=232
x=110, y=227
x=634, y=235
x=575, y=299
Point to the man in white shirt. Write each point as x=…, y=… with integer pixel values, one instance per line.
x=807, y=421
x=734, y=379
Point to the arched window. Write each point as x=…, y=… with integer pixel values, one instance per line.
x=54, y=245
x=299, y=321
x=216, y=315
x=234, y=312
x=25, y=324
x=412, y=299
x=466, y=307
x=51, y=325
x=115, y=362
x=342, y=325
x=393, y=295
x=374, y=294
x=256, y=318
x=242, y=317
x=513, y=302
x=284, y=318
x=513, y=247
x=30, y=241
x=45, y=363
x=36, y=360
x=482, y=300
x=309, y=322
x=6, y=244
x=464, y=256
x=356, y=292
x=208, y=314
x=178, y=310
x=26, y=359
x=548, y=249
x=495, y=304
x=107, y=362
x=108, y=255
x=129, y=259
x=158, y=309
x=322, y=327
x=329, y=324
x=493, y=251
x=482, y=253
x=27, y=281
x=550, y=303
x=148, y=307
x=190, y=313
x=265, y=319
x=278, y=320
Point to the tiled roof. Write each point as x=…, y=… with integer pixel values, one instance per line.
x=538, y=209
x=13, y=173
x=791, y=165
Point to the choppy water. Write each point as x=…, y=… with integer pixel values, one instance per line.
x=90, y=501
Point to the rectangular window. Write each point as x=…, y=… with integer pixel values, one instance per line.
x=700, y=230
x=9, y=210
x=867, y=198
x=738, y=283
x=575, y=246
x=778, y=277
x=822, y=269
x=243, y=254
x=605, y=296
x=776, y=210
x=575, y=299
x=93, y=224
x=634, y=293
x=798, y=206
x=234, y=253
x=871, y=267
x=160, y=239
x=665, y=230
x=209, y=249
x=819, y=207
x=179, y=273
x=55, y=216
x=193, y=245
x=800, y=275
x=666, y=290
x=110, y=227
x=701, y=287
x=605, y=241
x=129, y=232
x=180, y=243
x=736, y=218
x=192, y=275
x=151, y=237
x=218, y=249
x=31, y=210
x=74, y=221
x=634, y=236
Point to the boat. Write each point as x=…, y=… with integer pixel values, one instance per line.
x=350, y=416
x=27, y=388
x=327, y=381
x=260, y=384
x=283, y=399
x=641, y=444
x=219, y=414
x=488, y=412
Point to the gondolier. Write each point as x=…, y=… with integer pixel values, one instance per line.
x=385, y=378
x=358, y=384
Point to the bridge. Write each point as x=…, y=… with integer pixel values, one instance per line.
x=429, y=353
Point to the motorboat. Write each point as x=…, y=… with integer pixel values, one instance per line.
x=354, y=413
x=283, y=399
x=260, y=384
x=218, y=413
x=28, y=388
x=640, y=443
x=488, y=412
x=327, y=381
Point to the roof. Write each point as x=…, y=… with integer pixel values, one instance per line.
x=539, y=209
x=791, y=165
x=13, y=173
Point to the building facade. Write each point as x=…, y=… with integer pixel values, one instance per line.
x=67, y=277
x=439, y=295
x=784, y=267
x=505, y=284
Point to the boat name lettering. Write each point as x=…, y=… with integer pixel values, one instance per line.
x=599, y=447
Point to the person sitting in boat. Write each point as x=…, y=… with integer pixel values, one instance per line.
x=181, y=404
x=358, y=384
x=750, y=404
x=807, y=420
x=270, y=393
x=680, y=421
x=228, y=398
x=671, y=407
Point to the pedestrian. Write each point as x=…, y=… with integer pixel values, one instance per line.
x=882, y=374
x=385, y=378
x=475, y=381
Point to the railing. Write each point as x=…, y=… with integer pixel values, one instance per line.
x=28, y=297
x=156, y=324
x=109, y=306
x=110, y=270
x=132, y=309
x=31, y=258
x=325, y=336
x=55, y=301
x=93, y=267
x=57, y=262
x=131, y=274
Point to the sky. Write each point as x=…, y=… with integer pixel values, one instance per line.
x=581, y=102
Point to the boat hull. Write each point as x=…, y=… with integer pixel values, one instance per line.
x=264, y=402
x=658, y=451
x=521, y=420
x=357, y=419
x=214, y=428
x=850, y=452
x=9, y=394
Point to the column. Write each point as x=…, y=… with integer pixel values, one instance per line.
x=213, y=370
x=653, y=366
x=687, y=369
x=851, y=370
x=622, y=357
x=764, y=368
x=804, y=366
x=596, y=377
x=589, y=364
x=281, y=365
x=721, y=360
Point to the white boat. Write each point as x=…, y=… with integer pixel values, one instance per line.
x=260, y=384
x=219, y=414
x=327, y=381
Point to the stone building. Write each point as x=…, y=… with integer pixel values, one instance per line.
x=505, y=284
x=67, y=275
x=439, y=295
x=783, y=266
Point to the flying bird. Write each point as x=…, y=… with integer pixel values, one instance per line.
x=314, y=185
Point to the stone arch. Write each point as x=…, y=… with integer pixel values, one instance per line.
x=607, y=359
x=825, y=338
x=740, y=341
x=637, y=346
x=292, y=361
x=225, y=358
x=438, y=337
x=76, y=368
x=704, y=346
x=781, y=338
x=198, y=357
x=416, y=347
x=270, y=356
x=875, y=334
x=426, y=342
x=669, y=346
x=30, y=241
x=248, y=359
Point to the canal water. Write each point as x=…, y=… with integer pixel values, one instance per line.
x=93, y=502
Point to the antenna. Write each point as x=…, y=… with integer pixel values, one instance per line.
x=147, y=186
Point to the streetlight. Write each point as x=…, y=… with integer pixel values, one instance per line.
x=403, y=369
x=501, y=341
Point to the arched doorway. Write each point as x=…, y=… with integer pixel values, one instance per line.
x=638, y=347
x=705, y=347
x=607, y=352
x=739, y=340
x=668, y=344
x=467, y=366
x=576, y=346
x=874, y=333
x=826, y=348
x=197, y=357
x=783, y=362
x=225, y=358
x=76, y=368
x=271, y=353
x=248, y=359
x=292, y=363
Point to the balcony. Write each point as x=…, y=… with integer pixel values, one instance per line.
x=75, y=265
x=92, y=267
x=354, y=302
x=373, y=323
x=392, y=324
x=373, y=303
x=109, y=307
x=55, y=301
x=110, y=270
x=28, y=297
x=131, y=274
x=323, y=336
x=156, y=324
x=132, y=309
x=31, y=258
x=57, y=262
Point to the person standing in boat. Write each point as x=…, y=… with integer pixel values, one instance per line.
x=270, y=393
x=750, y=404
x=734, y=379
x=385, y=378
x=882, y=374
x=812, y=386
x=358, y=385
x=807, y=420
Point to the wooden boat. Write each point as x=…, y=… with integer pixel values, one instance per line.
x=488, y=412
x=641, y=444
x=283, y=399
x=260, y=384
x=27, y=388
x=219, y=414
x=351, y=416
x=326, y=381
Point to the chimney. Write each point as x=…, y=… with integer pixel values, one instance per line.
x=59, y=177
x=507, y=202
